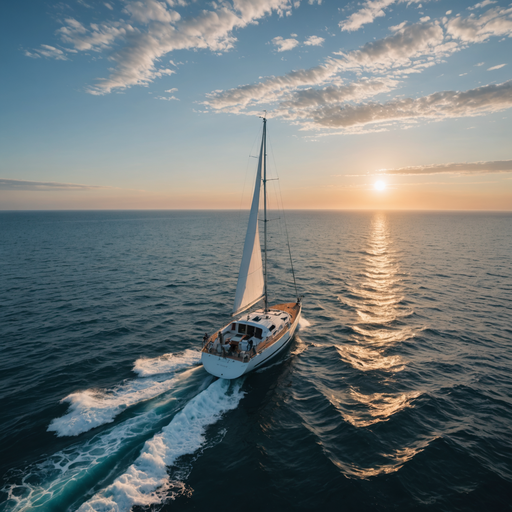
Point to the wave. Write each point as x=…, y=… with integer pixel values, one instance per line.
x=147, y=478
x=63, y=478
x=94, y=407
x=365, y=359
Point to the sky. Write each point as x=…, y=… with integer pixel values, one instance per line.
x=155, y=104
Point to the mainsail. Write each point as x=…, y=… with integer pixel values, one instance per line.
x=250, y=287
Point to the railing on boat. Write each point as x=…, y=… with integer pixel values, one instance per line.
x=241, y=355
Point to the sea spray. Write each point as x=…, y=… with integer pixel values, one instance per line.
x=91, y=408
x=303, y=323
x=184, y=435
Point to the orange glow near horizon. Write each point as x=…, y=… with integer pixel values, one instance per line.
x=304, y=195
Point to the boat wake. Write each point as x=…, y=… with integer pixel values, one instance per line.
x=102, y=468
x=184, y=435
x=94, y=407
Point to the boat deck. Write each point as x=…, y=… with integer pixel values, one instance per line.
x=292, y=308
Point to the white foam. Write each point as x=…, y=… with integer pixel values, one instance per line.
x=185, y=434
x=166, y=363
x=52, y=478
x=61, y=476
x=93, y=407
x=303, y=323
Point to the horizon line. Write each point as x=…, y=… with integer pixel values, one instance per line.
x=248, y=209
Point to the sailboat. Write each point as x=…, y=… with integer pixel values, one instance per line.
x=255, y=338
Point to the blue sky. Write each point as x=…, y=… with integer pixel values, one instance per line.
x=154, y=104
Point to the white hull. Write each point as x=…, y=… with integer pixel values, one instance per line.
x=228, y=368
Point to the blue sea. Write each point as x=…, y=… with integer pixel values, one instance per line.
x=395, y=395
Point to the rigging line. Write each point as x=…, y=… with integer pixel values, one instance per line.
x=284, y=218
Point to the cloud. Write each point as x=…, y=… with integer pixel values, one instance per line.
x=499, y=66
x=314, y=41
x=372, y=9
x=307, y=99
x=317, y=98
x=85, y=4
x=284, y=45
x=482, y=4
x=167, y=98
x=147, y=11
x=270, y=89
x=47, y=51
x=170, y=91
x=155, y=29
x=399, y=49
x=44, y=186
x=95, y=38
x=398, y=27
x=411, y=49
x=494, y=167
x=494, y=22
x=437, y=106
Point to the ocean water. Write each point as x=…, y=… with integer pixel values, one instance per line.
x=396, y=393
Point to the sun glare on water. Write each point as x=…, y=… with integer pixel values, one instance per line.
x=379, y=185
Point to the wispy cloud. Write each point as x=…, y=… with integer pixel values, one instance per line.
x=155, y=29
x=371, y=10
x=408, y=50
x=499, y=66
x=482, y=4
x=44, y=186
x=167, y=98
x=46, y=50
x=494, y=167
x=476, y=29
x=314, y=98
x=408, y=43
x=319, y=98
x=437, y=106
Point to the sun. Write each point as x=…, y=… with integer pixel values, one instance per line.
x=379, y=185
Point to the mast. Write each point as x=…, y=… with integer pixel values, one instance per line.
x=265, y=209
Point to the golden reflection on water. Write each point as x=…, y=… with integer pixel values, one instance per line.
x=399, y=456
x=375, y=295
x=376, y=298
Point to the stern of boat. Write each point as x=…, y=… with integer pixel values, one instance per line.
x=223, y=367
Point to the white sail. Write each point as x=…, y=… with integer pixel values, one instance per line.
x=250, y=286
